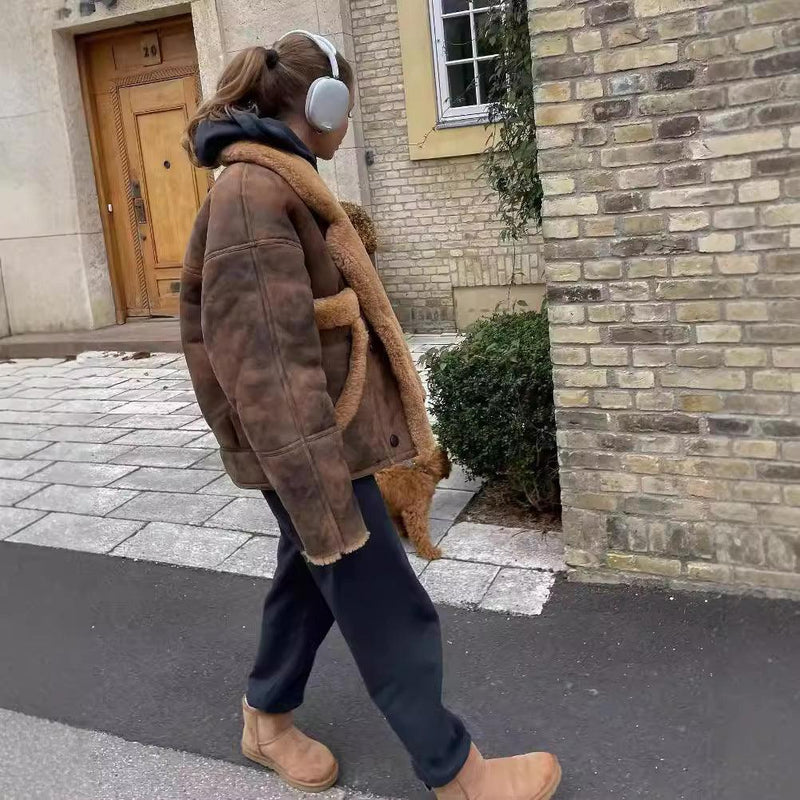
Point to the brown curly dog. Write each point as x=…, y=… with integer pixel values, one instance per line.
x=408, y=493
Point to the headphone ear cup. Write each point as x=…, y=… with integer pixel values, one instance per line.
x=327, y=104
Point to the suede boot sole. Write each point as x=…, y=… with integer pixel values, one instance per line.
x=318, y=786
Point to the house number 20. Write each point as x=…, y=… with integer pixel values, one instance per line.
x=150, y=51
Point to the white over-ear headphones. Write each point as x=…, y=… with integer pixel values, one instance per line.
x=328, y=98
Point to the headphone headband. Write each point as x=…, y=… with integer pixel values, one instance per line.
x=324, y=45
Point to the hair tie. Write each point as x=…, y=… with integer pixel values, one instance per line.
x=272, y=57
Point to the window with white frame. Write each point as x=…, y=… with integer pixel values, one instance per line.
x=465, y=59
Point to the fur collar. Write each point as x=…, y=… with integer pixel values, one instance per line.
x=349, y=255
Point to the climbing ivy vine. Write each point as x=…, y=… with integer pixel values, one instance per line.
x=510, y=163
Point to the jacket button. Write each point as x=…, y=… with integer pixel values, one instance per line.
x=393, y=440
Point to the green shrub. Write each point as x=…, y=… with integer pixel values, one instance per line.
x=492, y=396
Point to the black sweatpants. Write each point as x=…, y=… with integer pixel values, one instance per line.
x=389, y=623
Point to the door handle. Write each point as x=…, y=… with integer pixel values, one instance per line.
x=138, y=203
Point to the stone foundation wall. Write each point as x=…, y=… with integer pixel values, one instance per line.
x=673, y=261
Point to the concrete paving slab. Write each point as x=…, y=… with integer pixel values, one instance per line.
x=156, y=438
x=214, y=461
x=258, y=557
x=77, y=499
x=77, y=532
x=13, y=491
x=246, y=514
x=98, y=453
x=508, y=547
x=457, y=583
x=198, y=424
x=163, y=456
x=14, y=519
x=449, y=503
x=25, y=404
x=148, y=421
x=182, y=544
x=21, y=431
x=225, y=486
x=75, y=433
x=519, y=591
x=165, y=480
x=163, y=407
x=20, y=448
x=48, y=418
x=87, y=406
x=11, y=468
x=193, y=509
x=77, y=474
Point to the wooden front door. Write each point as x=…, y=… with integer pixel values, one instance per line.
x=140, y=87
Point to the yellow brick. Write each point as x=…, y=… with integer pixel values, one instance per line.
x=747, y=311
x=625, y=134
x=731, y=170
x=599, y=226
x=558, y=20
x=713, y=573
x=785, y=214
x=544, y=46
x=577, y=334
x=794, y=137
x=755, y=448
x=564, y=114
x=688, y=220
x=571, y=399
x=570, y=206
x=560, y=228
x=588, y=90
x=655, y=8
x=754, y=40
x=701, y=311
x=635, y=563
x=553, y=93
x=736, y=144
x=586, y=41
x=636, y=58
x=699, y=403
x=563, y=272
x=717, y=243
x=758, y=191
x=786, y=357
x=718, y=333
x=557, y=184
x=745, y=357
x=737, y=265
x=772, y=381
x=550, y=138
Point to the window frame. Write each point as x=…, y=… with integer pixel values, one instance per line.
x=456, y=116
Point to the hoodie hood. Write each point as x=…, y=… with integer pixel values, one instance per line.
x=213, y=136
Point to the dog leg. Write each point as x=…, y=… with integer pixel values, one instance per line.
x=418, y=529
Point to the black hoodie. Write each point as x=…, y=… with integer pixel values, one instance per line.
x=213, y=136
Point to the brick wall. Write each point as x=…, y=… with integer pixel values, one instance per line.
x=436, y=219
x=674, y=278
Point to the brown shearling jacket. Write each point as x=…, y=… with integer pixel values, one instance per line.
x=271, y=368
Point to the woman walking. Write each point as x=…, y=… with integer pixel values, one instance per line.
x=302, y=372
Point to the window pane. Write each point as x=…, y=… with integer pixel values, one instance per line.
x=458, y=38
x=451, y=6
x=485, y=3
x=490, y=80
x=461, y=78
x=486, y=33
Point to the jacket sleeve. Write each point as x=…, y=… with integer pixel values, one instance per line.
x=258, y=326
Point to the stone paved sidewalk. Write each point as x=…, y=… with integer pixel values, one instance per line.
x=109, y=454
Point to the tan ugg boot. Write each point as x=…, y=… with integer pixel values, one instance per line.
x=273, y=741
x=534, y=776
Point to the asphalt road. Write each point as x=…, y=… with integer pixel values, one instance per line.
x=641, y=693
